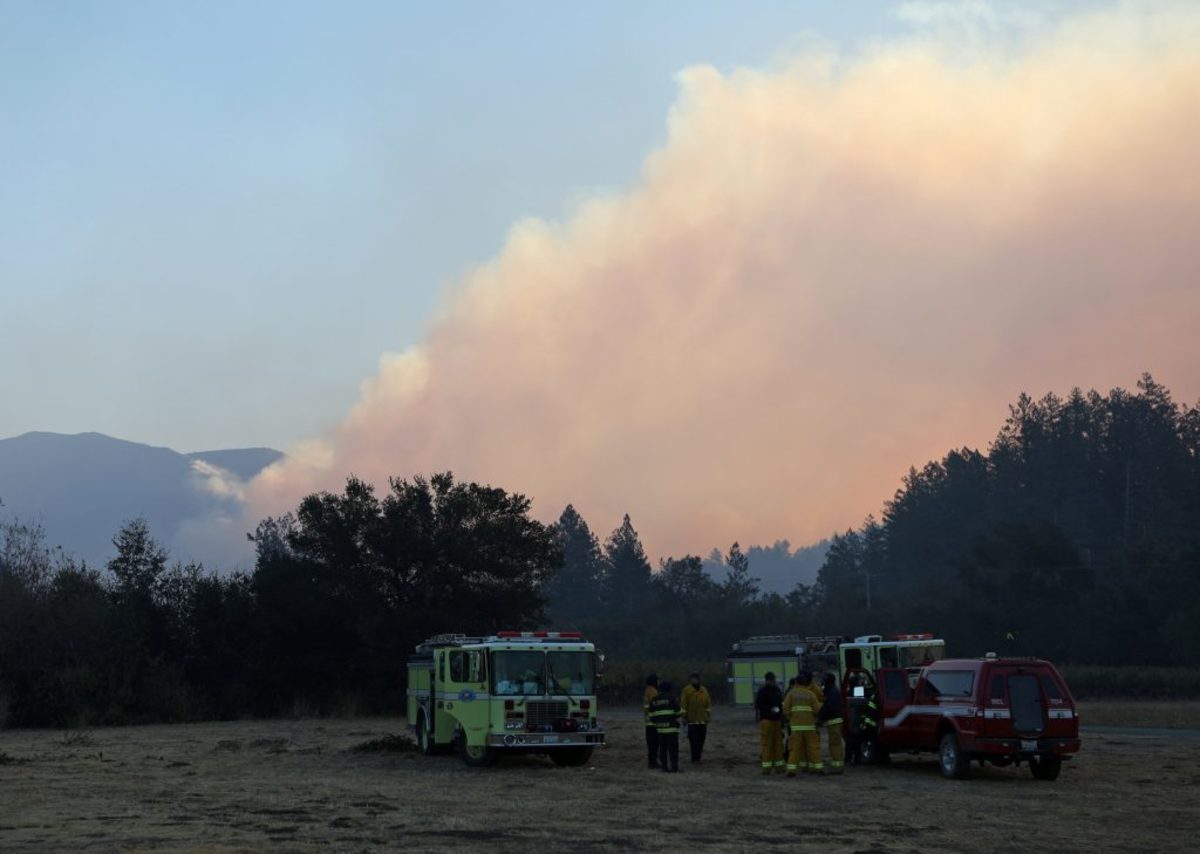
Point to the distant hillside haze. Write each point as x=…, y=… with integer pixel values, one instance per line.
x=245, y=463
x=81, y=488
x=777, y=568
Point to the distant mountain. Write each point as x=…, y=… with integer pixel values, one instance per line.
x=82, y=488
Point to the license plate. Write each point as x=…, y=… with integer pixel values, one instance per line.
x=549, y=739
x=1028, y=744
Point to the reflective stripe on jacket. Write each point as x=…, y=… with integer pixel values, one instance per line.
x=647, y=698
x=664, y=712
x=800, y=705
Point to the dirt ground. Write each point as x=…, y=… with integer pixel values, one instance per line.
x=300, y=786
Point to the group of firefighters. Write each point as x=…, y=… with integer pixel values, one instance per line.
x=806, y=709
x=794, y=719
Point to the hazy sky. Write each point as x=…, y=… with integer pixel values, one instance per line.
x=731, y=268
x=214, y=217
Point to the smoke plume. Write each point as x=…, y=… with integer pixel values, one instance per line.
x=832, y=270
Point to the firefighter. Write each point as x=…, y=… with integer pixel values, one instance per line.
x=830, y=719
x=664, y=712
x=818, y=691
x=768, y=709
x=697, y=709
x=804, y=746
x=862, y=715
x=651, y=733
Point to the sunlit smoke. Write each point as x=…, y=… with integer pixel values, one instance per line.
x=832, y=270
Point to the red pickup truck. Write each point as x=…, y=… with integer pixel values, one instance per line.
x=998, y=710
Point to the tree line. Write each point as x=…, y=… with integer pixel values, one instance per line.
x=1074, y=536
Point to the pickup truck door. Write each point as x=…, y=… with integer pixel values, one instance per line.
x=895, y=698
x=927, y=714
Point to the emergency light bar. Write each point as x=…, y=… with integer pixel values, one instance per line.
x=540, y=634
x=914, y=636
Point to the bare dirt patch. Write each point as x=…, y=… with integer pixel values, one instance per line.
x=310, y=786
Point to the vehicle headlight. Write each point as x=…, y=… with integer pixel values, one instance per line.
x=514, y=724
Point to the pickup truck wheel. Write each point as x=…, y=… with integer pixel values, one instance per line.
x=871, y=752
x=1045, y=766
x=953, y=762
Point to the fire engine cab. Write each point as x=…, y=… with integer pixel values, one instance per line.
x=531, y=692
x=998, y=710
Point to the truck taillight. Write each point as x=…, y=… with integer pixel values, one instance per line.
x=509, y=705
x=585, y=704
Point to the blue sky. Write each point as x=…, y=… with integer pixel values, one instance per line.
x=215, y=217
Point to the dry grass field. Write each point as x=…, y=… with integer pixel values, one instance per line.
x=301, y=786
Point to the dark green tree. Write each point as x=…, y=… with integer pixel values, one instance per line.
x=139, y=561
x=627, y=578
x=575, y=590
x=738, y=588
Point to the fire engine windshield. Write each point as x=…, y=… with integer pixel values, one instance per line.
x=519, y=672
x=919, y=656
x=572, y=672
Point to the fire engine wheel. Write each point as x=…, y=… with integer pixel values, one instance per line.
x=476, y=756
x=871, y=752
x=954, y=763
x=424, y=737
x=1045, y=766
x=570, y=756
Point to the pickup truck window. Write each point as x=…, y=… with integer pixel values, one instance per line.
x=997, y=689
x=1051, y=687
x=951, y=683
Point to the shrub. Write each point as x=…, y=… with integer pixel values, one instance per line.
x=624, y=681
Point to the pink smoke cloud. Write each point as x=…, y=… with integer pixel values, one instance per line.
x=831, y=271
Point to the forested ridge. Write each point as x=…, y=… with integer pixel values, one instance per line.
x=1075, y=536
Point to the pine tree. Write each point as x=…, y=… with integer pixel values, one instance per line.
x=575, y=590
x=628, y=570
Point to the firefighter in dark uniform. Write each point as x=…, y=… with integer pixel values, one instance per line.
x=768, y=708
x=664, y=712
x=862, y=715
x=651, y=733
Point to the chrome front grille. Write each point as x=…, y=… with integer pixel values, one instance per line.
x=542, y=712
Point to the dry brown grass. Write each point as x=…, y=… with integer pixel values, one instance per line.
x=301, y=786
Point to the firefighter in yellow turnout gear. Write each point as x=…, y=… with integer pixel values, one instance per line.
x=830, y=718
x=804, y=746
x=697, y=709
